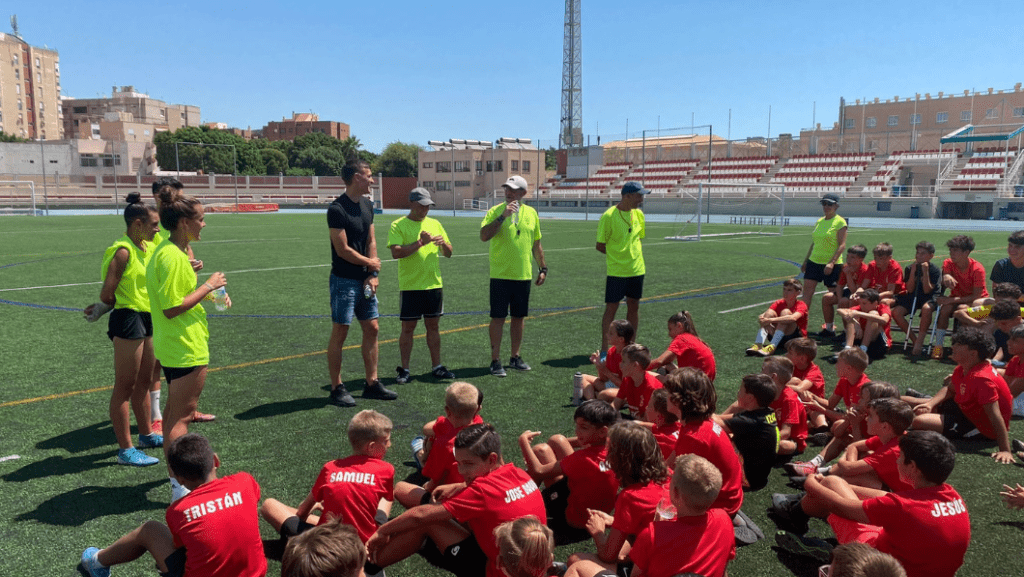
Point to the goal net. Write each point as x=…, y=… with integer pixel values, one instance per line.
x=730, y=209
x=17, y=197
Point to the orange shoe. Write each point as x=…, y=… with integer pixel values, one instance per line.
x=938, y=352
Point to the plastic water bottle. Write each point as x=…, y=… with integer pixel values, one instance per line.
x=666, y=510
x=220, y=299
x=577, y=389
x=367, y=291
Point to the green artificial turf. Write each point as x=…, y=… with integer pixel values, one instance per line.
x=268, y=378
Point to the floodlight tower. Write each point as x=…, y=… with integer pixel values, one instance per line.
x=570, y=134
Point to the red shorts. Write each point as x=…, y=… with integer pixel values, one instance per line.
x=848, y=531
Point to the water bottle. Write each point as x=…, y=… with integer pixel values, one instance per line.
x=220, y=299
x=367, y=291
x=577, y=389
x=666, y=510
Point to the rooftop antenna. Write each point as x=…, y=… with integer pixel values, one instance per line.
x=14, y=27
x=571, y=133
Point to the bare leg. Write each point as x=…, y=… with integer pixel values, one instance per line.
x=150, y=536
x=370, y=350
x=409, y=495
x=335, y=345
x=433, y=326
x=515, y=333
x=127, y=358
x=494, y=330
x=181, y=402
x=606, y=320
x=405, y=342
x=808, y=296
x=407, y=543
x=633, y=313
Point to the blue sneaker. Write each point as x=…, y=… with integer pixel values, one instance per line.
x=151, y=441
x=90, y=565
x=135, y=458
x=417, y=450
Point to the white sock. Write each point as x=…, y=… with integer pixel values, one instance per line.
x=177, y=490
x=761, y=336
x=777, y=338
x=940, y=335
x=817, y=461
x=154, y=406
x=830, y=326
x=437, y=367
x=864, y=348
x=824, y=470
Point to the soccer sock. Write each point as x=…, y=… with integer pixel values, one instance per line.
x=761, y=336
x=777, y=338
x=830, y=326
x=940, y=335
x=437, y=367
x=824, y=470
x=864, y=348
x=817, y=461
x=154, y=406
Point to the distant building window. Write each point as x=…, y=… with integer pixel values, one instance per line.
x=145, y=132
x=991, y=113
x=428, y=165
x=88, y=160
x=871, y=122
x=17, y=88
x=109, y=160
x=444, y=167
x=526, y=166
x=884, y=207
x=462, y=183
x=850, y=123
x=37, y=63
x=941, y=117
x=461, y=166
x=80, y=109
x=515, y=165
x=915, y=119
x=444, y=185
x=894, y=120
x=1018, y=111
x=428, y=184
x=479, y=165
x=493, y=166
x=965, y=116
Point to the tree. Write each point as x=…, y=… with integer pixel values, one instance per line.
x=322, y=160
x=550, y=158
x=4, y=137
x=275, y=161
x=398, y=159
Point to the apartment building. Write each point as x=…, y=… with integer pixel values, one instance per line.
x=135, y=116
x=30, y=105
x=304, y=123
x=459, y=170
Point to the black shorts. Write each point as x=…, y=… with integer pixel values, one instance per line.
x=907, y=302
x=618, y=287
x=293, y=526
x=428, y=304
x=510, y=297
x=878, y=347
x=623, y=569
x=464, y=559
x=781, y=349
x=955, y=424
x=175, y=564
x=816, y=272
x=175, y=373
x=129, y=324
x=556, y=501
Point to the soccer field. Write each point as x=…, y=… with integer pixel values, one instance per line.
x=268, y=378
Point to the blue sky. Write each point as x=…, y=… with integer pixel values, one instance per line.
x=419, y=71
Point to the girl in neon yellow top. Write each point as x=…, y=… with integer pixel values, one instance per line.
x=180, y=335
x=124, y=288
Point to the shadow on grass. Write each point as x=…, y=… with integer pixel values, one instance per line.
x=75, y=507
x=799, y=565
x=53, y=466
x=87, y=438
x=573, y=362
x=282, y=408
x=1019, y=525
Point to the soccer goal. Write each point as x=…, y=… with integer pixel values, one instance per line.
x=18, y=197
x=730, y=209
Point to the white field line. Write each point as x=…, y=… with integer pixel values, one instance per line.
x=758, y=305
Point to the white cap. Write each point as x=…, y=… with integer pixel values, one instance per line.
x=517, y=182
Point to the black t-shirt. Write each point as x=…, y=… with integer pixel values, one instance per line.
x=355, y=218
x=1004, y=271
x=934, y=274
x=756, y=436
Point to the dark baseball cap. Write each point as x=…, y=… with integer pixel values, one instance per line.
x=633, y=187
x=420, y=195
x=830, y=199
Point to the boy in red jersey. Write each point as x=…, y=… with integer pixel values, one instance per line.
x=462, y=403
x=609, y=374
x=965, y=279
x=700, y=539
x=850, y=367
x=686, y=348
x=213, y=531
x=637, y=383
x=807, y=377
x=885, y=274
x=789, y=410
x=785, y=319
x=459, y=530
x=926, y=528
x=867, y=324
x=329, y=550
x=976, y=399
x=664, y=422
x=576, y=478
x=358, y=489
x=852, y=278
x=1014, y=372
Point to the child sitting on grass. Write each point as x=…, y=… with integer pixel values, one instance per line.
x=751, y=422
x=329, y=550
x=686, y=348
x=637, y=383
x=807, y=377
x=884, y=273
x=462, y=402
x=785, y=319
x=609, y=375
x=789, y=410
x=922, y=280
x=850, y=367
x=213, y=531
x=574, y=471
x=965, y=279
x=526, y=548
x=852, y=278
x=1014, y=372
x=664, y=422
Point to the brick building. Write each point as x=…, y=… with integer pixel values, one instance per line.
x=304, y=123
x=131, y=116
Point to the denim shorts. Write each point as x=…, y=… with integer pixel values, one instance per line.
x=347, y=301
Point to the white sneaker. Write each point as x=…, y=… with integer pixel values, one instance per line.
x=1018, y=405
x=177, y=490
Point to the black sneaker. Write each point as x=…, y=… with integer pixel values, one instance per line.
x=917, y=394
x=819, y=439
x=789, y=514
x=404, y=376
x=377, y=391
x=826, y=333
x=518, y=364
x=497, y=370
x=816, y=549
x=1017, y=445
x=341, y=398
x=443, y=373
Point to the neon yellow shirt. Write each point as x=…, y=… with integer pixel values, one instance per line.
x=825, y=237
x=511, y=248
x=183, y=341
x=621, y=232
x=131, y=291
x=420, y=270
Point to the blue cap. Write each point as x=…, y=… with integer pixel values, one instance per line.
x=633, y=187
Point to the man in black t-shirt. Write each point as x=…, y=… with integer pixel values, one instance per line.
x=354, y=270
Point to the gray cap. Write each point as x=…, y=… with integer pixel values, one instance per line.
x=420, y=195
x=633, y=187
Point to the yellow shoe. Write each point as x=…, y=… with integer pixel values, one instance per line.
x=754, y=350
x=938, y=352
x=767, y=350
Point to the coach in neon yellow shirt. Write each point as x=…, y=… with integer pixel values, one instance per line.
x=619, y=233
x=416, y=242
x=513, y=230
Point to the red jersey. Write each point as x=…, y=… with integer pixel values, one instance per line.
x=927, y=530
x=505, y=494
x=440, y=466
x=707, y=439
x=613, y=360
x=667, y=437
x=702, y=544
x=219, y=524
x=812, y=373
x=637, y=506
x=977, y=387
x=637, y=397
x=790, y=411
x=883, y=460
x=592, y=484
x=858, y=277
x=851, y=392
x=351, y=488
x=1014, y=370
x=966, y=280
x=881, y=309
x=799, y=307
x=880, y=279
x=690, y=351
